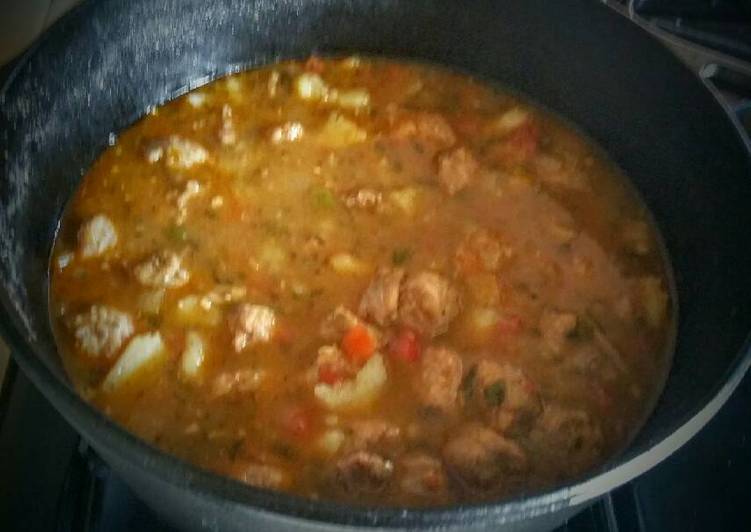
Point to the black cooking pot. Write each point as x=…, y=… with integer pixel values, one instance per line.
x=105, y=64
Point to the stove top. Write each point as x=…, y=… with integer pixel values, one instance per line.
x=50, y=480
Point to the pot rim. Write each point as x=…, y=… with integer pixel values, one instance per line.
x=150, y=461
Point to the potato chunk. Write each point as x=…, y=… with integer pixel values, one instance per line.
x=141, y=351
x=193, y=357
x=360, y=391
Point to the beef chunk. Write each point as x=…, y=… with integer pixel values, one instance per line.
x=430, y=129
x=96, y=237
x=508, y=396
x=483, y=459
x=427, y=303
x=341, y=320
x=380, y=302
x=337, y=323
x=422, y=475
x=437, y=384
x=376, y=435
x=456, y=169
x=365, y=198
x=363, y=472
x=480, y=251
x=571, y=437
x=162, y=270
x=102, y=330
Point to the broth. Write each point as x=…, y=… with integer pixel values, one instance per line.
x=369, y=281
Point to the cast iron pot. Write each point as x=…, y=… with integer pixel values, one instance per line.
x=102, y=66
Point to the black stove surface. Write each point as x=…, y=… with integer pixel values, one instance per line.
x=52, y=481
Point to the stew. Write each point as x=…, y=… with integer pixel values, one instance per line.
x=363, y=280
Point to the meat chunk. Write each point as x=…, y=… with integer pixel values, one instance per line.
x=427, y=303
x=162, y=270
x=96, y=237
x=428, y=128
x=239, y=381
x=456, y=169
x=557, y=327
x=376, y=435
x=260, y=475
x=102, y=330
x=570, y=437
x=176, y=152
x=509, y=397
x=480, y=251
x=363, y=472
x=380, y=302
x=365, y=198
x=422, y=475
x=341, y=320
x=337, y=323
x=438, y=381
x=253, y=324
x=483, y=459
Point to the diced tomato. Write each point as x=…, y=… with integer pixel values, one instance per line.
x=358, y=344
x=509, y=324
x=296, y=420
x=328, y=374
x=314, y=64
x=406, y=346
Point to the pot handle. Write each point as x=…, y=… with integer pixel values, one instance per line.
x=736, y=84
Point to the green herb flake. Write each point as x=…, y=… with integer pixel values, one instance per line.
x=585, y=328
x=400, y=256
x=495, y=393
x=323, y=198
x=177, y=233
